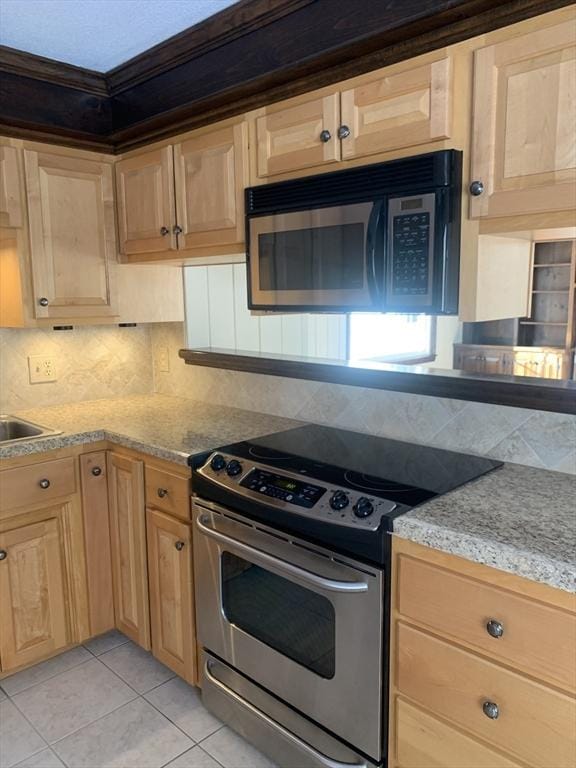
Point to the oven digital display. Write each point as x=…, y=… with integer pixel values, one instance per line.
x=283, y=488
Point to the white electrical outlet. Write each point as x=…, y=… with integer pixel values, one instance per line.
x=42, y=369
x=163, y=360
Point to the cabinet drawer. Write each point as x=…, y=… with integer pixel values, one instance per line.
x=535, y=723
x=36, y=483
x=168, y=492
x=422, y=741
x=537, y=638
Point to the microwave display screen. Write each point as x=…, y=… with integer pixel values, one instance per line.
x=321, y=258
x=412, y=204
x=411, y=245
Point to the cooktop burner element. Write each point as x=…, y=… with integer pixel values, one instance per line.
x=331, y=483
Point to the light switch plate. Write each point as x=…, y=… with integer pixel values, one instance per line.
x=163, y=360
x=42, y=369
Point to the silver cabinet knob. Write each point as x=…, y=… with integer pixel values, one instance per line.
x=179, y=545
x=491, y=710
x=45, y=483
x=162, y=493
x=476, y=188
x=343, y=132
x=494, y=628
x=43, y=302
x=3, y=554
x=325, y=136
x=96, y=471
x=164, y=231
x=177, y=230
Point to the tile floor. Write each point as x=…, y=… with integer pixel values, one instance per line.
x=109, y=704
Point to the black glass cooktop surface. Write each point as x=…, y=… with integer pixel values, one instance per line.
x=403, y=472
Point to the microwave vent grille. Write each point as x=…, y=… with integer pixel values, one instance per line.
x=367, y=183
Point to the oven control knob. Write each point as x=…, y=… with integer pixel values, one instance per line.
x=233, y=468
x=339, y=500
x=217, y=462
x=363, y=507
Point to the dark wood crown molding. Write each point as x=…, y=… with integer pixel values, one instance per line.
x=248, y=55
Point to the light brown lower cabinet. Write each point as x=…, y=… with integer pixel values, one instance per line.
x=128, y=546
x=483, y=666
x=171, y=593
x=33, y=595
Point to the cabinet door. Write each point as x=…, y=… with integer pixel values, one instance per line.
x=145, y=201
x=524, y=142
x=72, y=235
x=10, y=196
x=128, y=544
x=33, y=612
x=211, y=174
x=291, y=138
x=400, y=110
x=171, y=593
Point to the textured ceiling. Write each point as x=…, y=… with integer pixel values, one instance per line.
x=97, y=34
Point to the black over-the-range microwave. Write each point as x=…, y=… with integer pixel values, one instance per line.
x=381, y=238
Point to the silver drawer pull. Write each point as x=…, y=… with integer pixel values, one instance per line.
x=162, y=493
x=179, y=546
x=3, y=554
x=494, y=628
x=491, y=710
x=44, y=483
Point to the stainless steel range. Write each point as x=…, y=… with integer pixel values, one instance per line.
x=292, y=553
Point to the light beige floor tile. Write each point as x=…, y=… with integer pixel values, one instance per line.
x=134, y=736
x=44, y=759
x=45, y=670
x=137, y=667
x=182, y=704
x=73, y=699
x=232, y=751
x=106, y=642
x=18, y=740
x=194, y=758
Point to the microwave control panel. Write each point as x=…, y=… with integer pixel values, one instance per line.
x=410, y=250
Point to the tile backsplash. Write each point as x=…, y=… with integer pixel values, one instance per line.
x=92, y=362
x=536, y=438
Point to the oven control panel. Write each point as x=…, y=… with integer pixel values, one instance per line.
x=288, y=491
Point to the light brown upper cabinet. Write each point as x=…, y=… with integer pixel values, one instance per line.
x=210, y=169
x=185, y=199
x=394, y=108
x=524, y=133
x=10, y=188
x=72, y=235
x=145, y=200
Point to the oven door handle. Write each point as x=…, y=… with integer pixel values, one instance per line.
x=318, y=756
x=330, y=585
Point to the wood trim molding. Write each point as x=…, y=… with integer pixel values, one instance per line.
x=275, y=49
x=515, y=391
x=50, y=71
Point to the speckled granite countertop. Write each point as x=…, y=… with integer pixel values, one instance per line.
x=169, y=428
x=517, y=518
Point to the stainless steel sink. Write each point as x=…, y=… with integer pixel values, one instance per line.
x=13, y=430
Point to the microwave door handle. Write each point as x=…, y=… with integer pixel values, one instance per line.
x=371, y=243
x=329, y=585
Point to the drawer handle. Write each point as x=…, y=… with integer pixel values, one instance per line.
x=96, y=471
x=179, y=546
x=494, y=628
x=45, y=483
x=3, y=554
x=491, y=710
x=162, y=493
x=325, y=136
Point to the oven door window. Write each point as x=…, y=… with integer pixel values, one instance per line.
x=311, y=257
x=295, y=621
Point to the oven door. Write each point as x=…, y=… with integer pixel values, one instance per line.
x=304, y=625
x=322, y=258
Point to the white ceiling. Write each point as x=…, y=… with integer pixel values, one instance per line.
x=97, y=34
